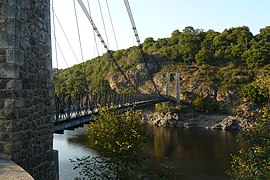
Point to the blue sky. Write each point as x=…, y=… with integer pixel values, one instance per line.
x=153, y=18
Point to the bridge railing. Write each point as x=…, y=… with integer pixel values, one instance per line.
x=69, y=107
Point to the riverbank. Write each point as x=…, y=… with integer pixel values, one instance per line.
x=195, y=120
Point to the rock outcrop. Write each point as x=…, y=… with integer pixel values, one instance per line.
x=196, y=120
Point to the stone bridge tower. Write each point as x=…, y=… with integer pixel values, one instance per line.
x=168, y=84
x=26, y=89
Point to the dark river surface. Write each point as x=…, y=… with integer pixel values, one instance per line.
x=183, y=153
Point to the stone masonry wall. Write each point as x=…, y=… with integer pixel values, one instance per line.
x=26, y=89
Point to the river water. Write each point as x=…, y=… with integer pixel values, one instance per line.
x=177, y=153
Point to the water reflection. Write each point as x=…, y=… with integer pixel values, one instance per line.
x=70, y=145
x=193, y=153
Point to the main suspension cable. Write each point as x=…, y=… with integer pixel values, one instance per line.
x=105, y=45
x=139, y=44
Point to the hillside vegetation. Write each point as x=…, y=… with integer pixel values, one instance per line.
x=223, y=69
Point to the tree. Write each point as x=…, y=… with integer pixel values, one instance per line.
x=148, y=42
x=189, y=43
x=257, y=56
x=207, y=51
x=118, y=138
x=254, y=161
x=231, y=44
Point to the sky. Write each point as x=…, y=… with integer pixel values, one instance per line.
x=153, y=18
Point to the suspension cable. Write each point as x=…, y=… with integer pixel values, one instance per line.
x=139, y=44
x=78, y=29
x=103, y=23
x=95, y=38
x=54, y=34
x=62, y=53
x=66, y=36
x=112, y=24
x=105, y=45
x=132, y=22
x=57, y=83
x=79, y=35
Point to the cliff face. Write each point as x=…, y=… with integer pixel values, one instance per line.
x=194, y=83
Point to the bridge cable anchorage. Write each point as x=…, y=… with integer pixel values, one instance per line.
x=103, y=23
x=66, y=36
x=112, y=24
x=95, y=38
x=139, y=45
x=105, y=45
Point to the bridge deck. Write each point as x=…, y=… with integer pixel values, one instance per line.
x=76, y=121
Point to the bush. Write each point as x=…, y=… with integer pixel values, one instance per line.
x=168, y=106
x=118, y=138
x=254, y=161
x=207, y=105
x=255, y=93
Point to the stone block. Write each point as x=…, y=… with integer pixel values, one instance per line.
x=9, y=114
x=7, y=40
x=9, y=71
x=5, y=137
x=8, y=11
x=14, y=56
x=15, y=85
x=3, y=25
x=8, y=148
x=9, y=103
x=19, y=103
x=3, y=84
x=6, y=126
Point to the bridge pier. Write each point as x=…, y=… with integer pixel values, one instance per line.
x=26, y=89
x=168, y=84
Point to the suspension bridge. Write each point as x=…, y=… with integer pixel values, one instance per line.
x=73, y=110
x=29, y=109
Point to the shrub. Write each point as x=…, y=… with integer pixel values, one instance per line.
x=255, y=93
x=118, y=138
x=207, y=105
x=253, y=162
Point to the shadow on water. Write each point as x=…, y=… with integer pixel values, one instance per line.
x=181, y=153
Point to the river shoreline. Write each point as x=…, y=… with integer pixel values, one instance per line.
x=195, y=120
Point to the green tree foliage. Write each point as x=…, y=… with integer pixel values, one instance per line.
x=257, y=56
x=254, y=161
x=207, y=51
x=189, y=43
x=207, y=105
x=255, y=93
x=258, y=90
x=235, y=49
x=118, y=137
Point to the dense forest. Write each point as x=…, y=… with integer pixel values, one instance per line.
x=234, y=60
